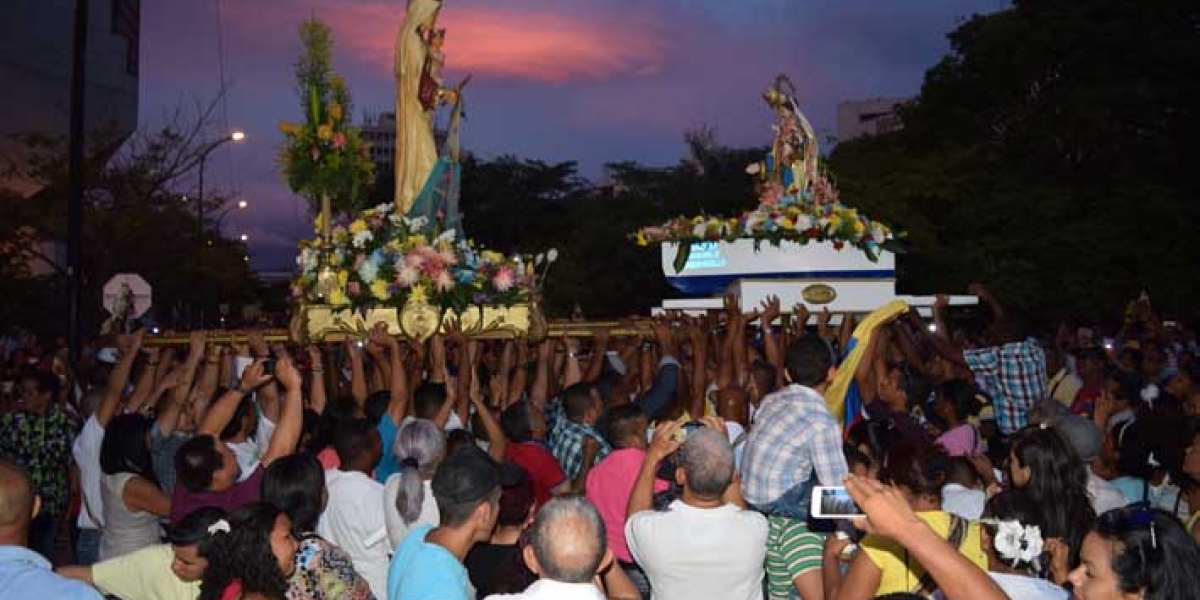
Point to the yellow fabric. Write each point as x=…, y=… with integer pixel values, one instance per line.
x=835, y=396
x=896, y=575
x=143, y=574
x=415, y=148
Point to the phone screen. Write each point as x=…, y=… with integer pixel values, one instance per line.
x=835, y=502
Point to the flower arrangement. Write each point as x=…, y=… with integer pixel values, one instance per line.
x=776, y=223
x=324, y=156
x=381, y=258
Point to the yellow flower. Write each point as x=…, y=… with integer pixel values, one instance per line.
x=859, y=228
x=335, y=111
x=358, y=226
x=325, y=132
x=343, y=278
x=641, y=239
x=492, y=256
x=835, y=221
x=379, y=289
x=338, y=298
x=317, y=223
x=289, y=128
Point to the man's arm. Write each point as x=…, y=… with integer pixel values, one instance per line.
x=287, y=432
x=358, y=376
x=316, y=384
x=110, y=402
x=599, y=348
x=219, y=414
x=666, y=380
x=661, y=446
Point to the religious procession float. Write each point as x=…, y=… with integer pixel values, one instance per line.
x=406, y=263
x=800, y=243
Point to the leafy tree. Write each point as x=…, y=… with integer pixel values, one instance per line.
x=134, y=220
x=1049, y=155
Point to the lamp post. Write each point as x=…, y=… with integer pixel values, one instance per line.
x=236, y=136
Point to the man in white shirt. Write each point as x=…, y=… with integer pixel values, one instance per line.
x=352, y=519
x=568, y=549
x=705, y=545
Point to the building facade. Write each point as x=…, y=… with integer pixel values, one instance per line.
x=35, y=71
x=859, y=118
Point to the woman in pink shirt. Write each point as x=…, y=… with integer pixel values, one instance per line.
x=957, y=401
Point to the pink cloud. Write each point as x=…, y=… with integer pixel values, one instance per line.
x=496, y=41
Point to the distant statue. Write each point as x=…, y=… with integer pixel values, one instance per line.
x=791, y=167
x=417, y=96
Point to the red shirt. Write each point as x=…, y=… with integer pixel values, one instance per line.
x=542, y=467
x=184, y=502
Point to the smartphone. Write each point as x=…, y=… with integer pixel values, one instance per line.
x=833, y=502
x=682, y=434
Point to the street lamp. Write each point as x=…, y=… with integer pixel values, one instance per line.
x=236, y=136
x=245, y=237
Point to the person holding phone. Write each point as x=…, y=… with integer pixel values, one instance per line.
x=706, y=544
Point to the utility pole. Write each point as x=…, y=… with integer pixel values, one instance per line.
x=76, y=143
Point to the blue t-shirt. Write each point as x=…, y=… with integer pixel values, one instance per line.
x=422, y=571
x=25, y=574
x=387, y=462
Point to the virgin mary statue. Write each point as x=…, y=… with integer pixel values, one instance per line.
x=416, y=151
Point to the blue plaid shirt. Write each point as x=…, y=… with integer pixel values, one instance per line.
x=792, y=437
x=566, y=444
x=1014, y=375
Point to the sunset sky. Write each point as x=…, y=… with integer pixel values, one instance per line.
x=586, y=80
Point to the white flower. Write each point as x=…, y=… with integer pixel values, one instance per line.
x=361, y=238
x=222, y=525
x=552, y=255
x=415, y=224
x=1150, y=394
x=1008, y=540
x=700, y=229
x=446, y=237
x=803, y=223
x=1033, y=544
x=395, y=219
x=878, y=234
x=384, y=209
x=754, y=169
x=539, y=259
x=368, y=271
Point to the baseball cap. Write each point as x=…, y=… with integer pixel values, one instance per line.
x=1082, y=434
x=466, y=475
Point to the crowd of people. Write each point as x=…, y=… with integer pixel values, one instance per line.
x=984, y=462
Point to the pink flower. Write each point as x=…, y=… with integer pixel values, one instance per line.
x=414, y=259
x=407, y=275
x=354, y=288
x=359, y=260
x=448, y=256
x=444, y=281
x=339, y=140
x=504, y=279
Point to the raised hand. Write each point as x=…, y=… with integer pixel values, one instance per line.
x=130, y=343
x=888, y=512
x=664, y=441
x=941, y=302
x=770, y=310
x=286, y=373
x=254, y=376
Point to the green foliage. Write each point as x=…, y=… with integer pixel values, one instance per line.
x=324, y=155
x=1049, y=154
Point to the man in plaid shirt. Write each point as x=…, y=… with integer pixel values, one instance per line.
x=574, y=440
x=1013, y=373
x=793, y=445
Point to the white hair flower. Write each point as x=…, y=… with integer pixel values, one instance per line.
x=1150, y=394
x=221, y=525
x=552, y=255
x=1017, y=543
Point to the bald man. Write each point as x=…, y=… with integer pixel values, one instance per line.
x=568, y=551
x=23, y=573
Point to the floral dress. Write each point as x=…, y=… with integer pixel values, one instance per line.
x=41, y=444
x=325, y=572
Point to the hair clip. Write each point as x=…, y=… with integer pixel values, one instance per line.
x=221, y=525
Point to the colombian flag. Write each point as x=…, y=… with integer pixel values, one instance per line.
x=843, y=398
